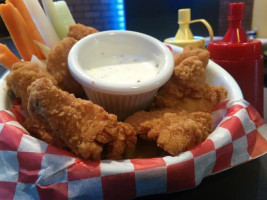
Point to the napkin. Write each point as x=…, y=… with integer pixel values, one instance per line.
x=32, y=169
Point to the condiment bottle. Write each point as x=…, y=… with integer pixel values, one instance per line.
x=184, y=35
x=241, y=57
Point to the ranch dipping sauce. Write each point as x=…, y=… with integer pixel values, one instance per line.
x=121, y=71
x=124, y=70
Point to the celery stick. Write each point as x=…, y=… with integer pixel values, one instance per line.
x=40, y=63
x=42, y=23
x=53, y=15
x=65, y=16
x=45, y=49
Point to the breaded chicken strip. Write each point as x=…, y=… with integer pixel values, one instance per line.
x=85, y=127
x=187, y=88
x=174, y=130
x=79, y=31
x=141, y=116
x=57, y=66
x=189, y=51
x=41, y=131
x=21, y=76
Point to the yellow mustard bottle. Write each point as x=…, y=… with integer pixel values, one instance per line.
x=184, y=35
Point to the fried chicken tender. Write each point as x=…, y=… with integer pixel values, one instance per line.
x=189, y=51
x=21, y=76
x=85, y=128
x=41, y=131
x=174, y=130
x=141, y=116
x=57, y=66
x=187, y=88
x=79, y=31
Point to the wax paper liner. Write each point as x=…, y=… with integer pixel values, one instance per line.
x=32, y=169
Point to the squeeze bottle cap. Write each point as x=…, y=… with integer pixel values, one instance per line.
x=184, y=16
x=235, y=45
x=236, y=11
x=184, y=35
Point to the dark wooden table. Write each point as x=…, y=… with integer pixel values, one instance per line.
x=245, y=182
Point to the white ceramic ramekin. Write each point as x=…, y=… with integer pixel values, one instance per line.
x=110, y=47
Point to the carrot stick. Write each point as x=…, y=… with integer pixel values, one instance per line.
x=17, y=28
x=19, y=4
x=7, y=58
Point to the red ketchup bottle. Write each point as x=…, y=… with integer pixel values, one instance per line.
x=241, y=57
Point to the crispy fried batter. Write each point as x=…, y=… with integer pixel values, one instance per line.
x=41, y=131
x=57, y=66
x=21, y=76
x=187, y=88
x=141, y=116
x=85, y=127
x=174, y=130
x=189, y=51
x=177, y=133
x=79, y=31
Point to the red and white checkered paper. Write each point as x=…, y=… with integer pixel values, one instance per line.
x=32, y=169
